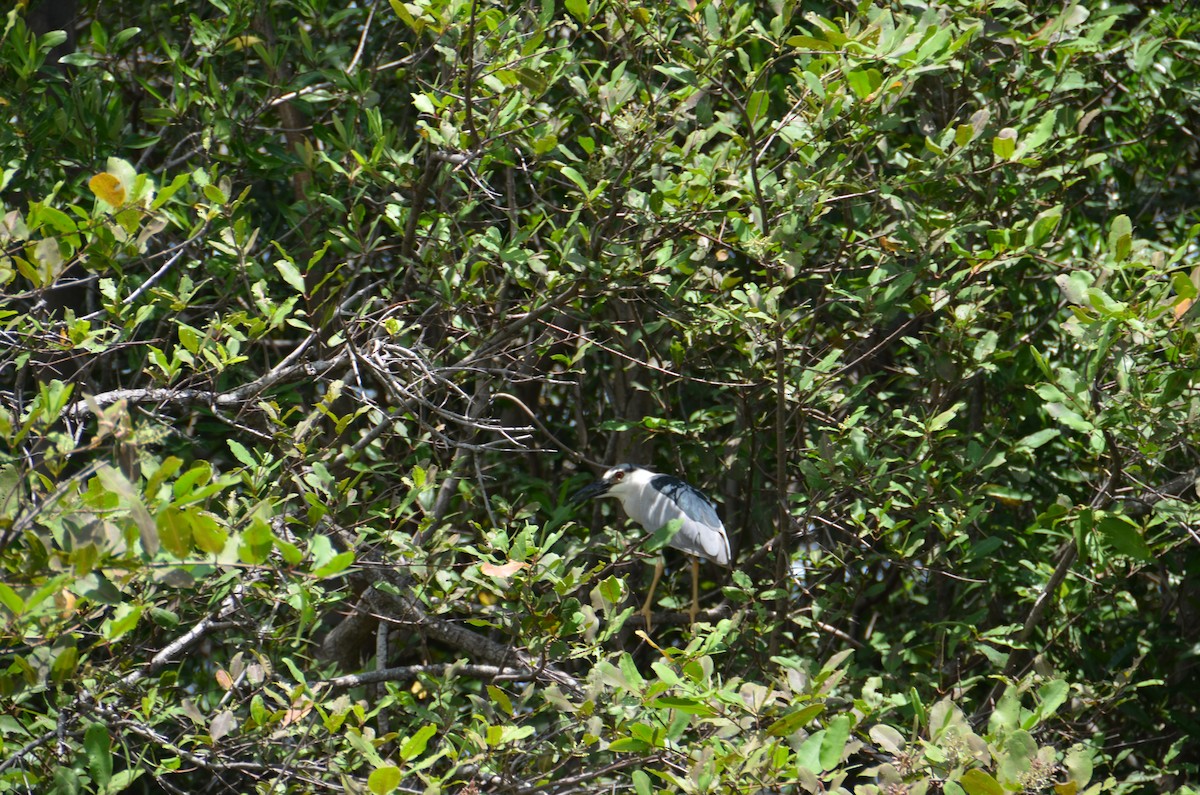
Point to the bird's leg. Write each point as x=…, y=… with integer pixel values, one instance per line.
x=695, y=588
x=658, y=570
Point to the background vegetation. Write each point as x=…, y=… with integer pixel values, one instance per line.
x=315, y=312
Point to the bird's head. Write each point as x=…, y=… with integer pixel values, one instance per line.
x=615, y=482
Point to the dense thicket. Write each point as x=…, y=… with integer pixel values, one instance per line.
x=314, y=313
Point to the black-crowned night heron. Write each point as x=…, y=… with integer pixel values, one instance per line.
x=653, y=500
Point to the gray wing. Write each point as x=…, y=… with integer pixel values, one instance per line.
x=703, y=533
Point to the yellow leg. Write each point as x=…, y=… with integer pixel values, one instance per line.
x=695, y=587
x=658, y=570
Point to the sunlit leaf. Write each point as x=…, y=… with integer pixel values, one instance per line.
x=107, y=188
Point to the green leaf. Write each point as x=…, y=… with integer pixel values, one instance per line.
x=612, y=590
x=537, y=85
x=757, y=107
x=1051, y=696
x=189, y=338
x=424, y=104
x=809, y=43
x=503, y=735
x=58, y=220
x=11, y=600
x=691, y=706
x=66, y=780
x=794, y=720
x=1120, y=237
x=864, y=82
x=257, y=541
x=663, y=535
x=1183, y=286
x=98, y=746
x=1069, y=417
x=1007, y=713
x=1015, y=758
x=199, y=474
x=241, y=453
x=384, y=780
x=979, y=782
x=1043, y=226
x=1124, y=536
x=940, y=421
x=1075, y=285
x=580, y=10
x=414, y=746
x=1005, y=143
x=337, y=565
x=808, y=755
x=628, y=744
x=168, y=467
x=123, y=619
x=112, y=479
x=175, y=531
x=65, y=665
x=887, y=738
x=207, y=534
x=501, y=699
x=405, y=17
x=1078, y=763
x=641, y=783
x=215, y=194
x=166, y=193
x=629, y=670
x=291, y=275
x=575, y=177
x=1038, y=438
x=837, y=733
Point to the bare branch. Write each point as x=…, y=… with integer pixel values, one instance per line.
x=234, y=397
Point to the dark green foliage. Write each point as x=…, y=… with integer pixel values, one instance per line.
x=313, y=308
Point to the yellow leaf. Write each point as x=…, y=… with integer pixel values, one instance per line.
x=108, y=188
x=64, y=600
x=242, y=42
x=506, y=570
x=1182, y=307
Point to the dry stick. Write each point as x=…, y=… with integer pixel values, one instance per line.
x=376, y=692
x=574, y=455
x=405, y=672
x=441, y=505
x=343, y=641
x=489, y=347
x=410, y=611
x=211, y=763
x=362, y=40
x=25, y=749
x=165, y=655
x=283, y=371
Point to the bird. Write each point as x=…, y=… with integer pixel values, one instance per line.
x=653, y=500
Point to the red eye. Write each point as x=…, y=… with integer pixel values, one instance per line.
x=618, y=475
